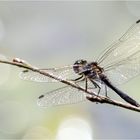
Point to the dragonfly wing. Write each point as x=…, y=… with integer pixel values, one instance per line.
x=127, y=46
x=62, y=96
x=121, y=61
x=63, y=73
x=122, y=73
x=34, y=76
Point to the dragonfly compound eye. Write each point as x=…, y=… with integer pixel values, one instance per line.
x=81, y=61
x=78, y=65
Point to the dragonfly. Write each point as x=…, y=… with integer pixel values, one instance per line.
x=116, y=65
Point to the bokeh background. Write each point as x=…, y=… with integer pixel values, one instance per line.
x=52, y=34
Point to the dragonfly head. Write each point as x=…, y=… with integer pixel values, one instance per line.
x=79, y=66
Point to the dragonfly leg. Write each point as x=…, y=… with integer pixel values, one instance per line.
x=96, y=86
x=106, y=91
x=76, y=78
x=86, y=84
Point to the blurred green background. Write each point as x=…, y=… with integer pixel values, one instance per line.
x=52, y=34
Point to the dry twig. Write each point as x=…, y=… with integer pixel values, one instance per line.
x=90, y=95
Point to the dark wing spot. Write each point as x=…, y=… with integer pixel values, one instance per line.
x=138, y=21
x=41, y=96
x=25, y=71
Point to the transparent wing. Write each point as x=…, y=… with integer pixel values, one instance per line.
x=124, y=72
x=61, y=96
x=121, y=61
x=63, y=73
x=67, y=95
x=126, y=44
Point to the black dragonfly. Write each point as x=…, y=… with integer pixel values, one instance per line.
x=119, y=63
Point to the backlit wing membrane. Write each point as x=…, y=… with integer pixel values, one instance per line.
x=61, y=96
x=121, y=61
x=124, y=72
x=65, y=72
x=67, y=95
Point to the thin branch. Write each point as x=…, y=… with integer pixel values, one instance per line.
x=91, y=96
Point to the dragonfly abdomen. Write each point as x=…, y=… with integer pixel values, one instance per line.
x=119, y=92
